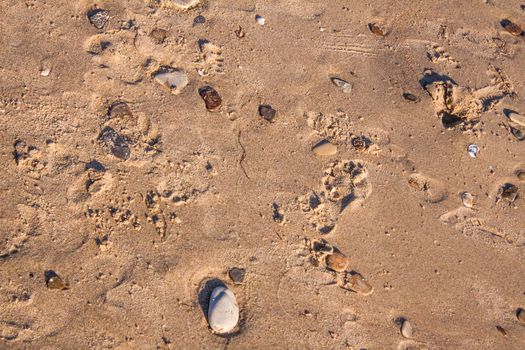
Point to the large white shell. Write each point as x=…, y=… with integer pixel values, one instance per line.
x=223, y=312
x=172, y=78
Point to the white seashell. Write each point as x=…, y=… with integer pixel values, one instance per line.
x=344, y=85
x=223, y=312
x=473, y=150
x=406, y=329
x=468, y=199
x=260, y=20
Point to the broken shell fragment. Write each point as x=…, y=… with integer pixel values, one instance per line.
x=173, y=78
x=324, y=148
x=355, y=282
x=345, y=86
x=223, y=311
x=185, y=4
x=468, y=199
x=473, y=150
x=211, y=97
x=337, y=261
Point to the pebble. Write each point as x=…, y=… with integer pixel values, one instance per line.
x=406, y=329
x=173, y=78
x=116, y=144
x=517, y=133
x=517, y=118
x=345, y=86
x=45, y=72
x=54, y=281
x=211, y=97
x=200, y=19
x=473, y=150
x=98, y=18
x=158, y=35
x=520, y=314
x=237, y=275
x=360, y=143
x=185, y=4
x=267, y=112
x=356, y=282
x=511, y=27
x=324, y=148
x=468, y=199
x=260, y=20
x=223, y=312
x=410, y=97
x=337, y=261
x=119, y=110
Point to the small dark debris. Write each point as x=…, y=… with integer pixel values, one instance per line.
x=98, y=17
x=360, y=143
x=278, y=217
x=158, y=35
x=511, y=27
x=20, y=151
x=200, y=19
x=267, y=112
x=211, y=98
x=116, y=144
x=376, y=29
x=240, y=33
x=508, y=191
x=410, y=97
x=501, y=330
x=237, y=274
x=54, y=281
x=95, y=165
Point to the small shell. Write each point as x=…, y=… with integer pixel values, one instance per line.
x=173, y=78
x=473, y=150
x=517, y=118
x=223, y=312
x=260, y=20
x=356, y=282
x=520, y=314
x=511, y=27
x=468, y=199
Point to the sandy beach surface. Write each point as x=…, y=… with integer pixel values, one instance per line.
x=353, y=172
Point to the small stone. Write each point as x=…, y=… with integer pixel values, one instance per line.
x=211, y=97
x=223, y=312
x=45, y=72
x=200, y=19
x=469, y=200
x=237, y=275
x=54, y=281
x=521, y=175
x=377, y=29
x=267, y=112
x=158, y=35
x=520, y=314
x=98, y=17
x=185, y=4
x=337, y=261
x=517, y=133
x=355, y=282
x=345, y=86
x=406, y=329
x=260, y=20
x=119, y=110
x=517, y=118
x=410, y=97
x=173, y=78
x=324, y=148
x=116, y=144
x=473, y=150
x=511, y=27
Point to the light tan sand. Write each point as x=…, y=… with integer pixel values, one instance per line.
x=200, y=192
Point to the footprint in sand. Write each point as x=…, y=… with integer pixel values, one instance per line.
x=344, y=186
x=431, y=190
x=465, y=221
x=210, y=60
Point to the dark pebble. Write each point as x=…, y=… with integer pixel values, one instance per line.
x=116, y=144
x=98, y=17
x=511, y=27
x=237, y=274
x=410, y=97
x=211, y=98
x=200, y=19
x=518, y=134
x=54, y=281
x=267, y=112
